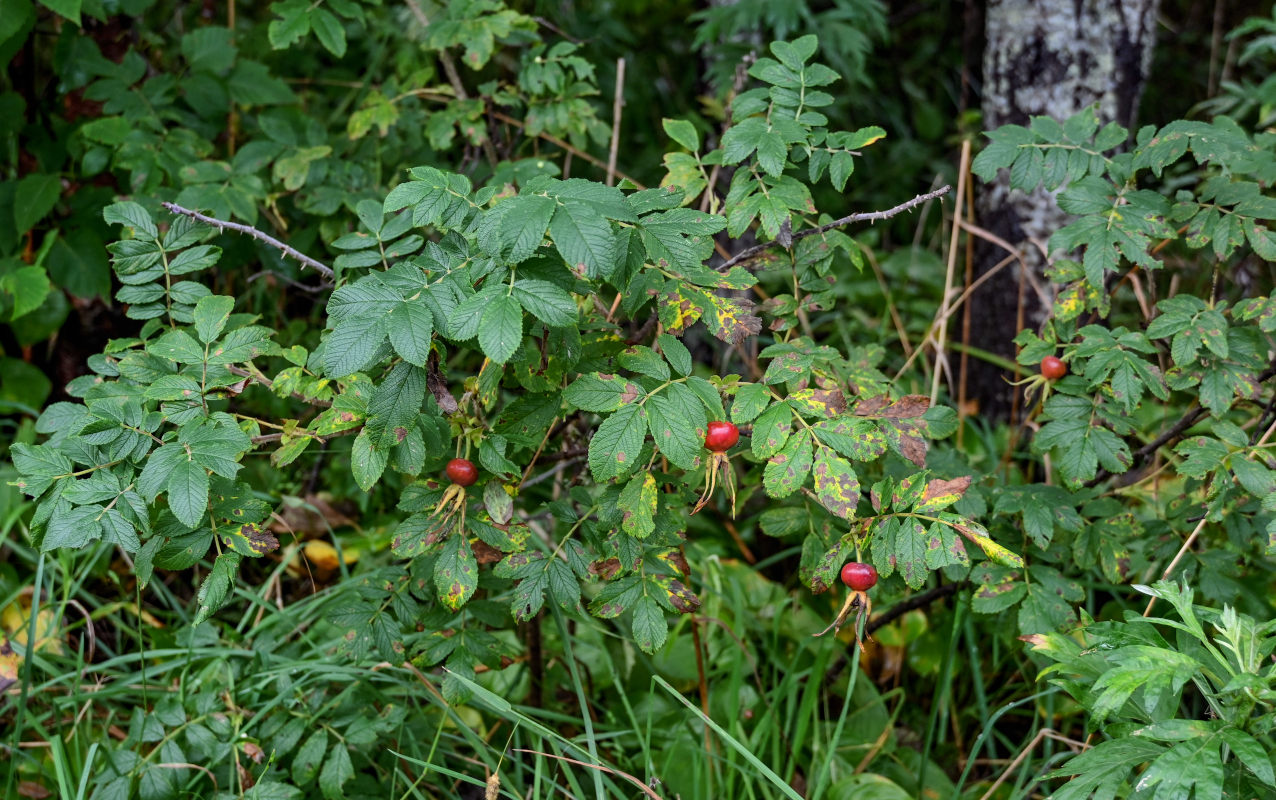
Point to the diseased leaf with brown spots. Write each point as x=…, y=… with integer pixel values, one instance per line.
x=249, y=540
x=680, y=309
x=944, y=547
x=836, y=484
x=606, y=569
x=416, y=535
x=976, y=534
x=771, y=430
x=677, y=597
x=787, y=470
x=943, y=493
x=907, y=407
x=637, y=505
x=856, y=439
x=456, y=571
x=904, y=437
x=996, y=588
x=827, y=403
x=731, y=319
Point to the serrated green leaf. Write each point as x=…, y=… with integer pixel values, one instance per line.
x=615, y=446
x=211, y=313
x=500, y=331
x=649, y=626
x=678, y=425
x=187, y=488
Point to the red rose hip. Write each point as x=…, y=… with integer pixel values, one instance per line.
x=722, y=436
x=1053, y=368
x=859, y=577
x=461, y=471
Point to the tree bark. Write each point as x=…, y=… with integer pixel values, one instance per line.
x=1043, y=58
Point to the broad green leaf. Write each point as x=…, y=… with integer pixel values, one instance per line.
x=73, y=527
x=649, y=626
x=643, y=360
x=584, y=238
x=411, y=326
x=211, y=313
x=35, y=196
x=682, y=132
x=367, y=461
x=336, y=771
x=500, y=331
x=217, y=585
x=305, y=765
x=771, y=430
x=750, y=400
x=187, y=488
x=602, y=392
x=678, y=425
x=547, y=302
x=615, y=446
x=395, y=405
x=676, y=353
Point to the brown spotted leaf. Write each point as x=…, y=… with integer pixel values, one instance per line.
x=836, y=484
x=731, y=319
x=680, y=309
x=908, y=407
x=826, y=403
x=787, y=470
x=456, y=571
x=942, y=493
x=637, y=505
x=249, y=540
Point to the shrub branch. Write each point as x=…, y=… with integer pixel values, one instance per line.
x=867, y=216
x=247, y=230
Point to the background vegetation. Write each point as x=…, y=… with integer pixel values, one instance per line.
x=222, y=577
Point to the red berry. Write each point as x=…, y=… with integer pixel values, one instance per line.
x=1053, y=368
x=722, y=436
x=461, y=471
x=859, y=577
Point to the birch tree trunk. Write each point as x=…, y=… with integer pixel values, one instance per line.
x=1051, y=58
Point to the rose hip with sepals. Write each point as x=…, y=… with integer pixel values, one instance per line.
x=859, y=577
x=722, y=436
x=1053, y=368
x=461, y=471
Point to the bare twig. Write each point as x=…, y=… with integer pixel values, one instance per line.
x=1044, y=733
x=554, y=140
x=868, y=216
x=219, y=224
x=617, y=106
x=1174, y=562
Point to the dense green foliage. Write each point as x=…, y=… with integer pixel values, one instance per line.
x=238, y=521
